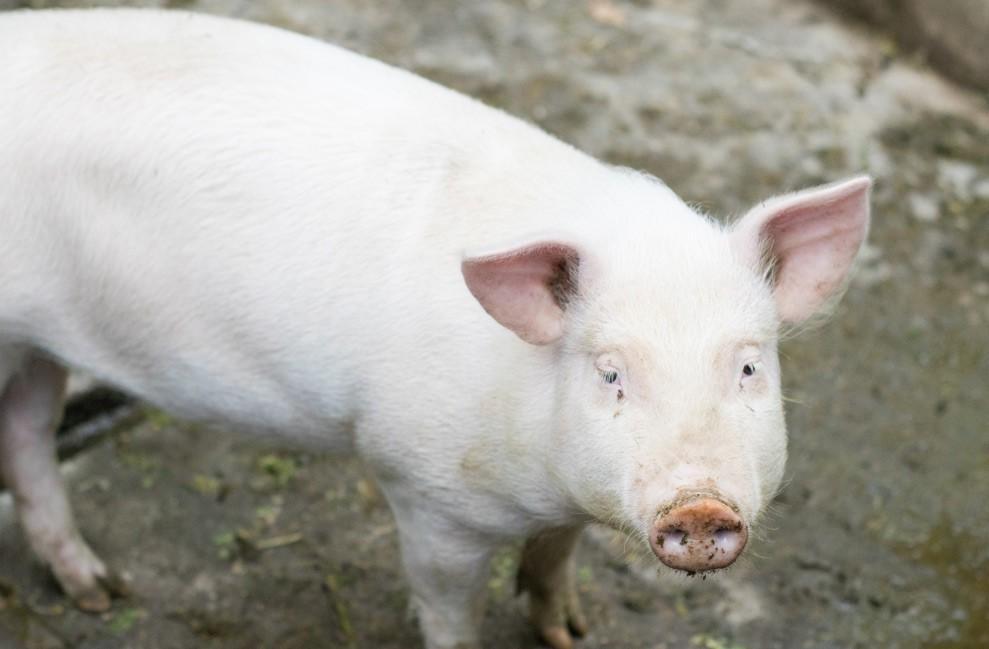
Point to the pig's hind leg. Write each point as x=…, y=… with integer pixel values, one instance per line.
x=32, y=391
x=548, y=572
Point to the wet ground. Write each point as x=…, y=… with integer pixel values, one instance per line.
x=881, y=536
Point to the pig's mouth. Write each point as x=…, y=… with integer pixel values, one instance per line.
x=699, y=532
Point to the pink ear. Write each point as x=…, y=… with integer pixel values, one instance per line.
x=525, y=289
x=809, y=239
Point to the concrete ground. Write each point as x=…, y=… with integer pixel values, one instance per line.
x=881, y=536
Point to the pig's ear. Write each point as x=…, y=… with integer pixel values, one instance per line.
x=527, y=288
x=805, y=243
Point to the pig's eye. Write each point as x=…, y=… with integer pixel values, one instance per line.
x=607, y=366
x=749, y=370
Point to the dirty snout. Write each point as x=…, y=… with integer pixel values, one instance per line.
x=699, y=533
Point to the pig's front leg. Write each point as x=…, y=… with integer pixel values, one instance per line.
x=447, y=570
x=548, y=571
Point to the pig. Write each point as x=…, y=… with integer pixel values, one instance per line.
x=254, y=229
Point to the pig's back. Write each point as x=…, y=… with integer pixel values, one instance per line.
x=178, y=129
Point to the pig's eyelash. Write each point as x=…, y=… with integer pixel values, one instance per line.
x=612, y=377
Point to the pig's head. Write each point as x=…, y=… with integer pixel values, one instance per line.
x=668, y=385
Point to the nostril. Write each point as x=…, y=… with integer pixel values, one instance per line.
x=672, y=537
x=727, y=539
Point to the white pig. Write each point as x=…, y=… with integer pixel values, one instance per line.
x=253, y=228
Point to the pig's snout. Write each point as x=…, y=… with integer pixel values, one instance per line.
x=700, y=534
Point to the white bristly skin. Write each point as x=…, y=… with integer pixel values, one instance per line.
x=256, y=229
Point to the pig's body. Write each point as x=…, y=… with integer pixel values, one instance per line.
x=253, y=228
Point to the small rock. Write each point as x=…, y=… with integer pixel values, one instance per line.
x=957, y=177
x=981, y=189
x=606, y=13
x=924, y=208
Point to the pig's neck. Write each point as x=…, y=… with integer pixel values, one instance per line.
x=526, y=447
